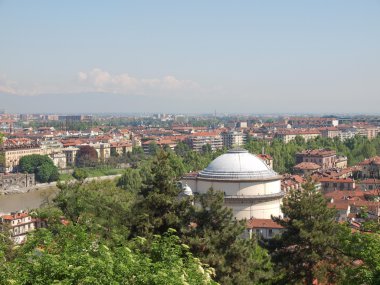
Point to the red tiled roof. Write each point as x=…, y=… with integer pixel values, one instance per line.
x=339, y=205
x=336, y=180
x=263, y=223
x=205, y=134
x=372, y=160
x=370, y=181
x=307, y=166
x=317, y=152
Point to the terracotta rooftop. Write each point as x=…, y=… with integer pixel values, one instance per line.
x=307, y=166
x=336, y=180
x=372, y=160
x=317, y=152
x=263, y=223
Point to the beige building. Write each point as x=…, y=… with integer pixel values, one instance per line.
x=19, y=225
x=370, y=168
x=330, y=132
x=331, y=184
x=197, y=140
x=11, y=156
x=251, y=188
x=324, y=158
x=288, y=135
x=120, y=148
x=233, y=139
x=103, y=150
x=70, y=154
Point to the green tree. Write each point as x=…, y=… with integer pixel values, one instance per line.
x=206, y=149
x=130, y=180
x=310, y=246
x=158, y=207
x=86, y=156
x=47, y=172
x=101, y=206
x=215, y=236
x=74, y=256
x=182, y=149
x=153, y=148
x=364, y=250
x=41, y=165
x=80, y=174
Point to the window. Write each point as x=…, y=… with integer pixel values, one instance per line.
x=270, y=232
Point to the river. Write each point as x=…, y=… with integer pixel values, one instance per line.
x=25, y=201
x=34, y=199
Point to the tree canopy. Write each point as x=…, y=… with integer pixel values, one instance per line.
x=71, y=255
x=310, y=247
x=86, y=156
x=41, y=165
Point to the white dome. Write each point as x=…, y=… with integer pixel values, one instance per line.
x=238, y=164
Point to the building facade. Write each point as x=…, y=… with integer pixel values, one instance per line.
x=324, y=158
x=15, y=181
x=250, y=187
x=233, y=139
x=197, y=140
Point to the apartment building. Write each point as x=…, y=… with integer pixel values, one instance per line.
x=233, y=139
x=197, y=140
x=324, y=158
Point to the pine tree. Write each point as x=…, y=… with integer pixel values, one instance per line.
x=309, y=247
x=158, y=207
x=215, y=237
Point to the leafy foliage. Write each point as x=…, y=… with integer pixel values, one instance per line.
x=101, y=206
x=364, y=249
x=73, y=256
x=80, y=174
x=130, y=180
x=86, y=156
x=41, y=165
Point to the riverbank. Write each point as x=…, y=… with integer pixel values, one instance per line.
x=39, y=195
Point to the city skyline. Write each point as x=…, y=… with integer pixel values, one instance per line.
x=241, y=57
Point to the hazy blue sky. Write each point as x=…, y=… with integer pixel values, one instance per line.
x=190, y=56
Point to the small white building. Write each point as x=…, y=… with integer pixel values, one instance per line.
x=19, y=224
x=263, y=228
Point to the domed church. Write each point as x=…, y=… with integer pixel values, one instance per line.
x=251, y=188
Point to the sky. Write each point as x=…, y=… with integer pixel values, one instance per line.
x=190, y=56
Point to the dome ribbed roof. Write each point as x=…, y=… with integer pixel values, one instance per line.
x=238, y=164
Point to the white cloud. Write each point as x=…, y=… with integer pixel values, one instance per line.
x=102, y=81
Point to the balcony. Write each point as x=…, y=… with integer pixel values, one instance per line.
x=255, y=197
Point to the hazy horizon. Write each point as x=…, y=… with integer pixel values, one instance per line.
x=250, y=57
